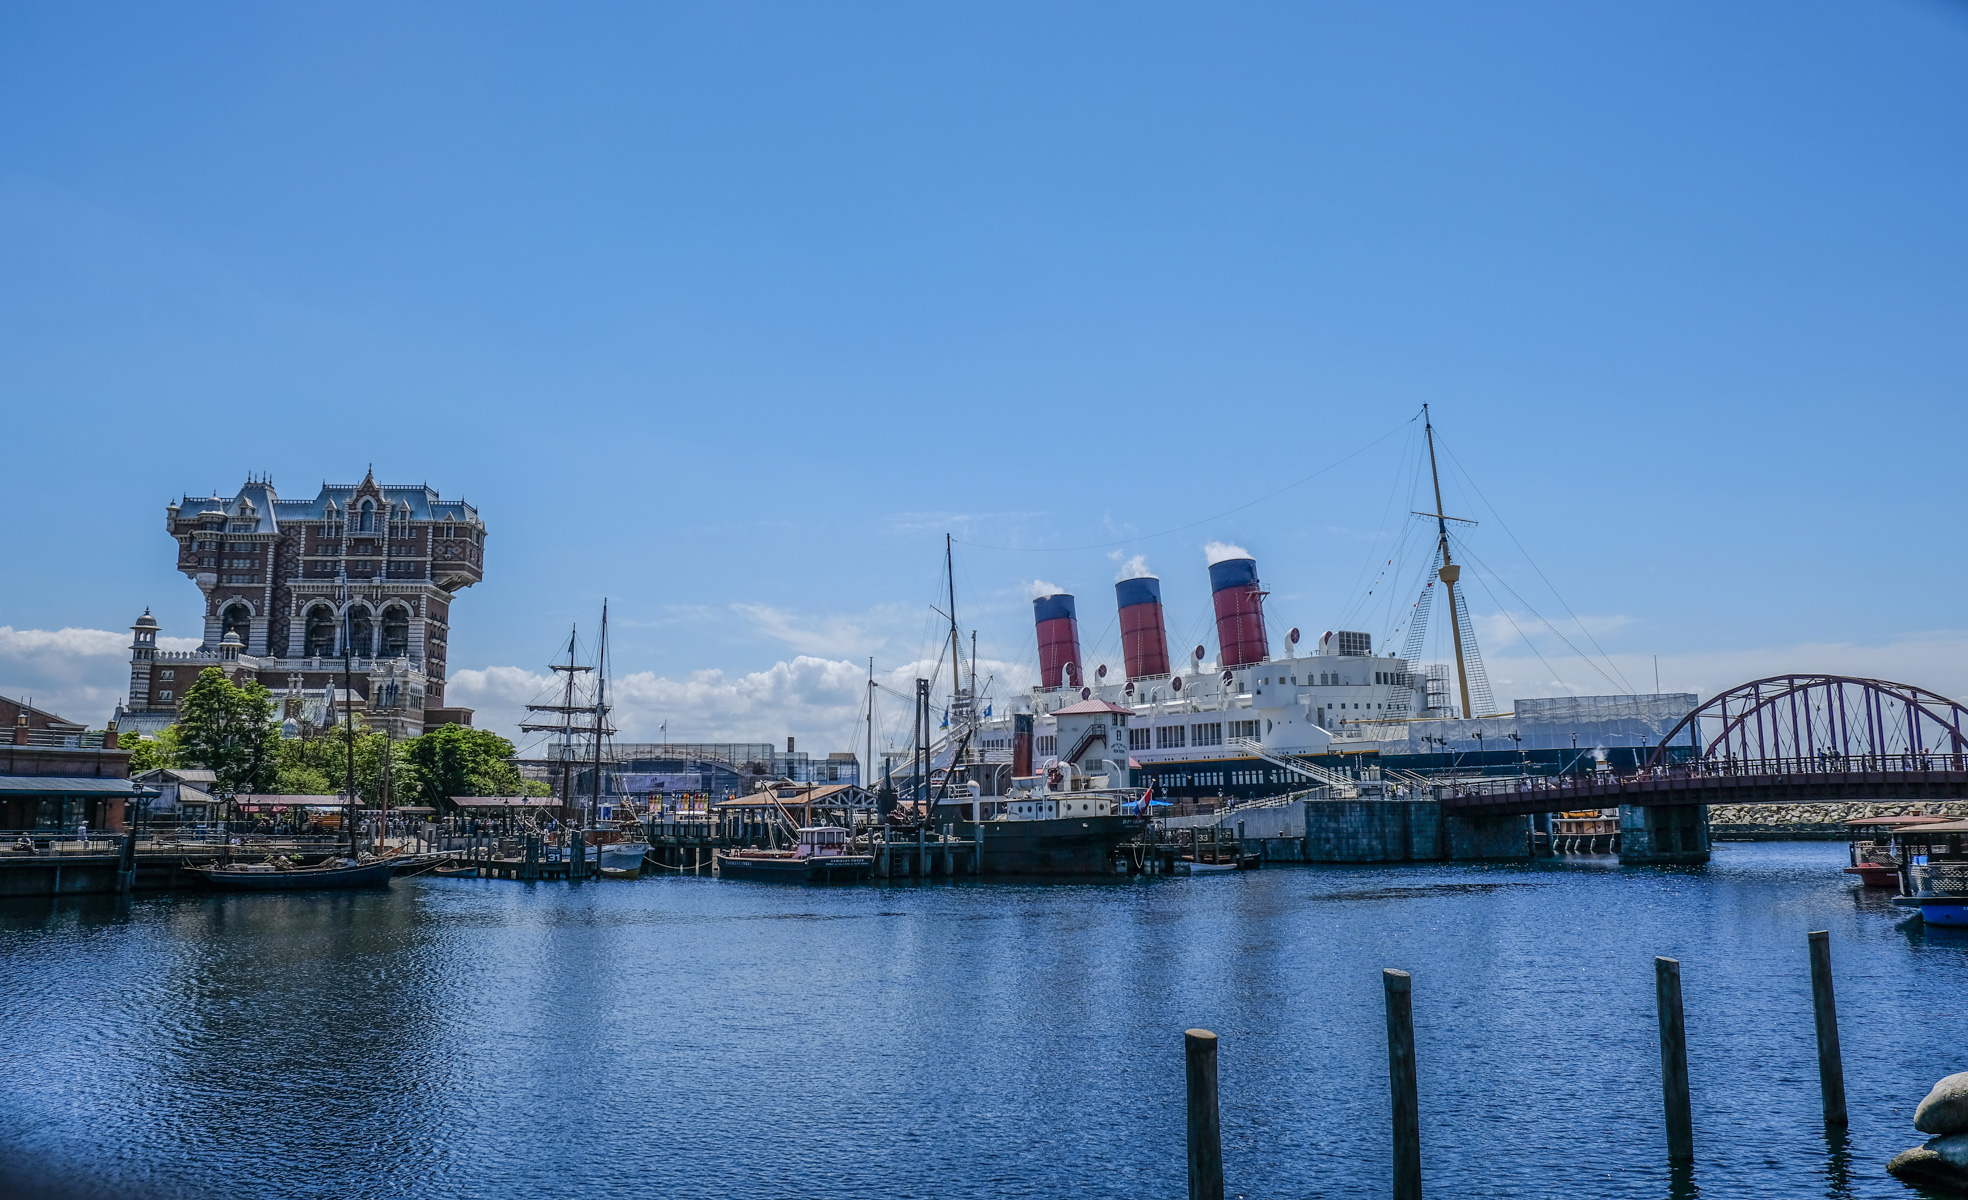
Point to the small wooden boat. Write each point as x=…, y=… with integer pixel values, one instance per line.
x=819, y=857
x=1189, y=866
x=623, y=873
x=336, y=874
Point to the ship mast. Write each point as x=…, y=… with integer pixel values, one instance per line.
x=600, y=710
x=1448, y=572
x=565, y=726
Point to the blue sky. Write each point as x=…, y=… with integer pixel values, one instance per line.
x=730, y=312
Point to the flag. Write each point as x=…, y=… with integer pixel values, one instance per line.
x=1141, y=809
x=987, y=710
x=946, y=718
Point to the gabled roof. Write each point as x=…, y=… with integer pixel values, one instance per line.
x=1090, y=707
x=179, y=775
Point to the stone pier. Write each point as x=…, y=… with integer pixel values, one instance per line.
x=1650, y=836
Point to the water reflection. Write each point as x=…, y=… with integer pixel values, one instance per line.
x=457, y=1038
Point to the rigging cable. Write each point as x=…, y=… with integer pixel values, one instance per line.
x=1467, y=478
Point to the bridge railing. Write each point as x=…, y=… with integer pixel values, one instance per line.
x=1585, y=784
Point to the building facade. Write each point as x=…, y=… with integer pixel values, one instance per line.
x=290, y=584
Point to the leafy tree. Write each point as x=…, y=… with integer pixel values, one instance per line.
x=316, y=763
x=457, y=761
x=229, y=730
x=150, y=753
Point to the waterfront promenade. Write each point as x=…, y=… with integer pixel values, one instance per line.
x=688, y=1036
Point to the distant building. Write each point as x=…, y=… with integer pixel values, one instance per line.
x=288, y=582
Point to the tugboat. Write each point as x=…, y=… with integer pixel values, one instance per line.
x=819, y=856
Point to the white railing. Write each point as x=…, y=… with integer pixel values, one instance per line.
x=1319, y=775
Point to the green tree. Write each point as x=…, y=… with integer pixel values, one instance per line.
x=457, y=761
x=230, y=731
x=150, y=753
x=316, y=763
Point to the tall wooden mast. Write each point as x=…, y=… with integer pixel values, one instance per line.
x=1448, y=572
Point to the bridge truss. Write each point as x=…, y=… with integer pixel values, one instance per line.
x=1787, y=724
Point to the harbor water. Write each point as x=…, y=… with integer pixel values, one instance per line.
x=691, y=1037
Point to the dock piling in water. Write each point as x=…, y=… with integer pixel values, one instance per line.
x=1674, y=1061
x=1399, y=989
x=1205, y=1131
x=1831, y=1064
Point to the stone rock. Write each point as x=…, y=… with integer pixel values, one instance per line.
x=1941, y=1165
x=1945, y=1110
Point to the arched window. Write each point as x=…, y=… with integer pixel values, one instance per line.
x=320, y=632
x=362, y=632
x=396, y=632
x=236, y=618
x=368, y=517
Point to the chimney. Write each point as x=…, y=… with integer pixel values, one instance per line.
x=1021, y=745
x=1239, y=611
x=109, y=735
x=20, y=728
x=1059, y=641
x=1144, y=644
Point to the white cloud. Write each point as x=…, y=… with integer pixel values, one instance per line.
x=1216, y=552
x=79, y=674
x=1134, y=568
x=1039, y=587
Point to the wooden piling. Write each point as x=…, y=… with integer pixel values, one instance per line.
x=1399, y=989
x=1831, y=1064
x=1674, y=1062
x=1205, y=1131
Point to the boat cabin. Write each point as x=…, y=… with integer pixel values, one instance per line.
x=821, y=841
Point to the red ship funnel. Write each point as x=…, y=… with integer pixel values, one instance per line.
x=1144, y=643
x=1059, y=641
x=1239, y=611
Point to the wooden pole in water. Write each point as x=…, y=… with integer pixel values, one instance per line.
x=1205, y=1132
x=1831, y=1064
x=1399, y=987
x=1674, y=1062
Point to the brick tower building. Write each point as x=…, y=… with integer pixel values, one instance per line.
x=287, y=582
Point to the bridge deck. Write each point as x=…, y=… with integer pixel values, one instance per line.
x=1673, y=788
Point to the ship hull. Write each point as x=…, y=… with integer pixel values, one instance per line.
x=301, y=879
x=1059, y=846
x=834, y=868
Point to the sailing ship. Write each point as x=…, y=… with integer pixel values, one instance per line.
x=580, y=721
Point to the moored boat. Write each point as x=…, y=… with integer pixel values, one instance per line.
x=335, y=874
x=819, y=856
x=1871, y=850
x=621, y=856
x=1933, y=860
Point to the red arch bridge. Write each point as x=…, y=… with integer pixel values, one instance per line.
x=1788, y=739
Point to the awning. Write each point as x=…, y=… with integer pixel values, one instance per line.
x=64, y=785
